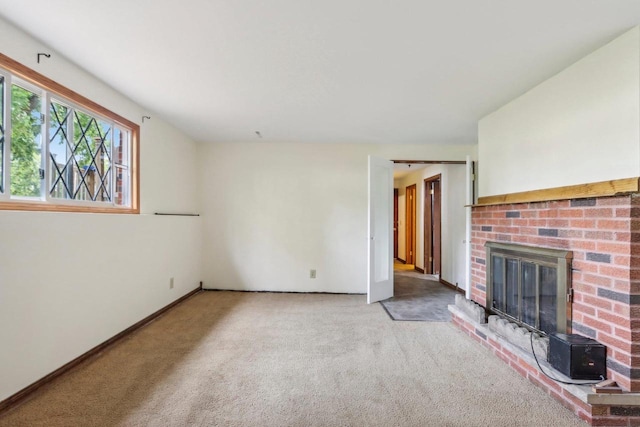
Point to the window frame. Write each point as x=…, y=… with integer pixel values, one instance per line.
x=50, y=89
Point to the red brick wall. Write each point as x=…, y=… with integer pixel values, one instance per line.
x=604, y=235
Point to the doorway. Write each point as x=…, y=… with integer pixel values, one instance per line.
x=432, y=225
x=410, y=221
x=444, y=254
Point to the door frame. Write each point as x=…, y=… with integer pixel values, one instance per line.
x=433, y=224
x=395, y=223
x=410, y=223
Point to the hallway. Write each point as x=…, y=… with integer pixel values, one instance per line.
x=418, y=297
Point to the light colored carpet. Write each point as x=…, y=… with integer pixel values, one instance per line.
x=419, y=298
x=266, y=359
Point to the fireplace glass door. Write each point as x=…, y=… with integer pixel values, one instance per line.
x=528, y=285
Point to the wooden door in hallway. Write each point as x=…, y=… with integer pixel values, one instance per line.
x=395, y=223
x=432, y=225
x=410, y=230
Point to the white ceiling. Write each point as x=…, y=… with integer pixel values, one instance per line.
x=400, y=170
x=403, y=71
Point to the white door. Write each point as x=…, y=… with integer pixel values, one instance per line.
x=380, y=275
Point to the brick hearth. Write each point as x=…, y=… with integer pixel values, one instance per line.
x=604, y=235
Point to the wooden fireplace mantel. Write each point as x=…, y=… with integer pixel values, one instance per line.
x=596, y=189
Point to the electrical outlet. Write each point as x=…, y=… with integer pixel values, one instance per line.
x=171, y=283
x=312, y=274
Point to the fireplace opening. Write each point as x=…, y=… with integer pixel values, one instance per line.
x=530, y=286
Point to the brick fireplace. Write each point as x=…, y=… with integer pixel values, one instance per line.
x=603, y=234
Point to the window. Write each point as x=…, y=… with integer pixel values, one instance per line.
x=60, y=151
x=530, y=285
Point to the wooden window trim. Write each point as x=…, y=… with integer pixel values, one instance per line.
x=47, y=84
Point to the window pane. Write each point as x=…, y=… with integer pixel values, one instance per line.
x=121, y=195
x=84, y=147
x=528, y=293
x=548, y=298
x=497, y=273
x=511, y=298
x=103, y=162
x=92, y=157
x=63, y=174
x=121, y=147
x=1, y=134
x=26, y=143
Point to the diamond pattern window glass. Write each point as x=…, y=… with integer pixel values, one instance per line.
x=62, y=168
x=80, y=151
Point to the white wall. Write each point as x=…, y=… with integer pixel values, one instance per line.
x=452, y=186
x=275, y=211
x=580, y=126
x=71, y=281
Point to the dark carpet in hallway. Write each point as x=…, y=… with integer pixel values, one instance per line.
x=419, y=298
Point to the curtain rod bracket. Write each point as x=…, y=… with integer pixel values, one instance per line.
x=43, y=54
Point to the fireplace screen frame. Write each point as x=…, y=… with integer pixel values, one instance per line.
x=545, y=257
